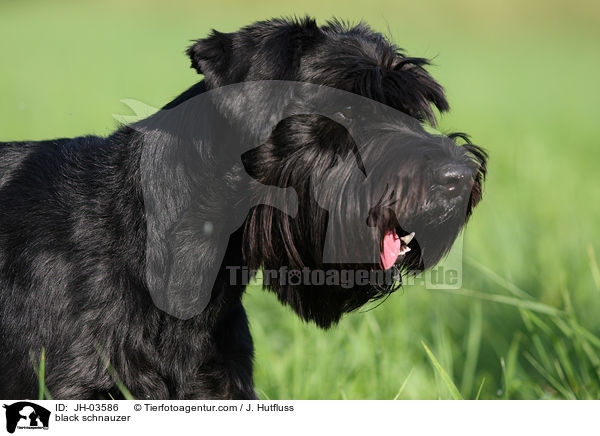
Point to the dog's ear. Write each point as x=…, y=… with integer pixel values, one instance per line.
x=212, y=56
x=414, y=90
x=267, y=50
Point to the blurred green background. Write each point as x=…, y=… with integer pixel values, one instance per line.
x=522, y=79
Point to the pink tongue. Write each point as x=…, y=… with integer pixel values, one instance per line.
x=391, y=249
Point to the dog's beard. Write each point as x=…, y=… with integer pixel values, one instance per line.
x=290, y=246
x=390, y=218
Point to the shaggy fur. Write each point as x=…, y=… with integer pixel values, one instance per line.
x=75, y=267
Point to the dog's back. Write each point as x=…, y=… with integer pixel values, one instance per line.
x=14, y=154
x=58, y=250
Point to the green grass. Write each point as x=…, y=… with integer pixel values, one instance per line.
x=114, y=375
x=522, y=80
x=446, y=379
x=39, y=366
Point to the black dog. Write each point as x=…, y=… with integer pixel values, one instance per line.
x=120, y=256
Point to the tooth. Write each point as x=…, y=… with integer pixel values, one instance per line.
x=406, y=239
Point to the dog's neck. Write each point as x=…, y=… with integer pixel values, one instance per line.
x=182, y=228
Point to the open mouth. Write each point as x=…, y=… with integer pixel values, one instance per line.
x=394, y=246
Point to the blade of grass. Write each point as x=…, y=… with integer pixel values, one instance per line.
x=42, y=375
x=592, y=356
x=589, y=336
x=534, y=306
x=443, y=343
x=511, y=287
x=541, y=352
x=503, y=366
x=561, y=373
x=534, y=322
x=563, y=356
x=511, y=363
x=443, y=374
x=594, y=266
x=480, y=389
x=404, y=384
x=565, y=392
x=126, y=394
x=473, y=344
x=262, y=394
x=36, y=369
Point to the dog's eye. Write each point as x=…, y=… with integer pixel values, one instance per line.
x=346, y=113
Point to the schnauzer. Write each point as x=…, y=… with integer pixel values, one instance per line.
x=305, y=150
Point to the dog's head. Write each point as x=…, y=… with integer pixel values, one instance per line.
x=376, y=191
x=396, y=200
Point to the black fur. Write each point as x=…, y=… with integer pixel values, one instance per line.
x=74, y=221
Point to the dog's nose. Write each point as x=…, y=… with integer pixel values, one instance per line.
x=453, y=178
